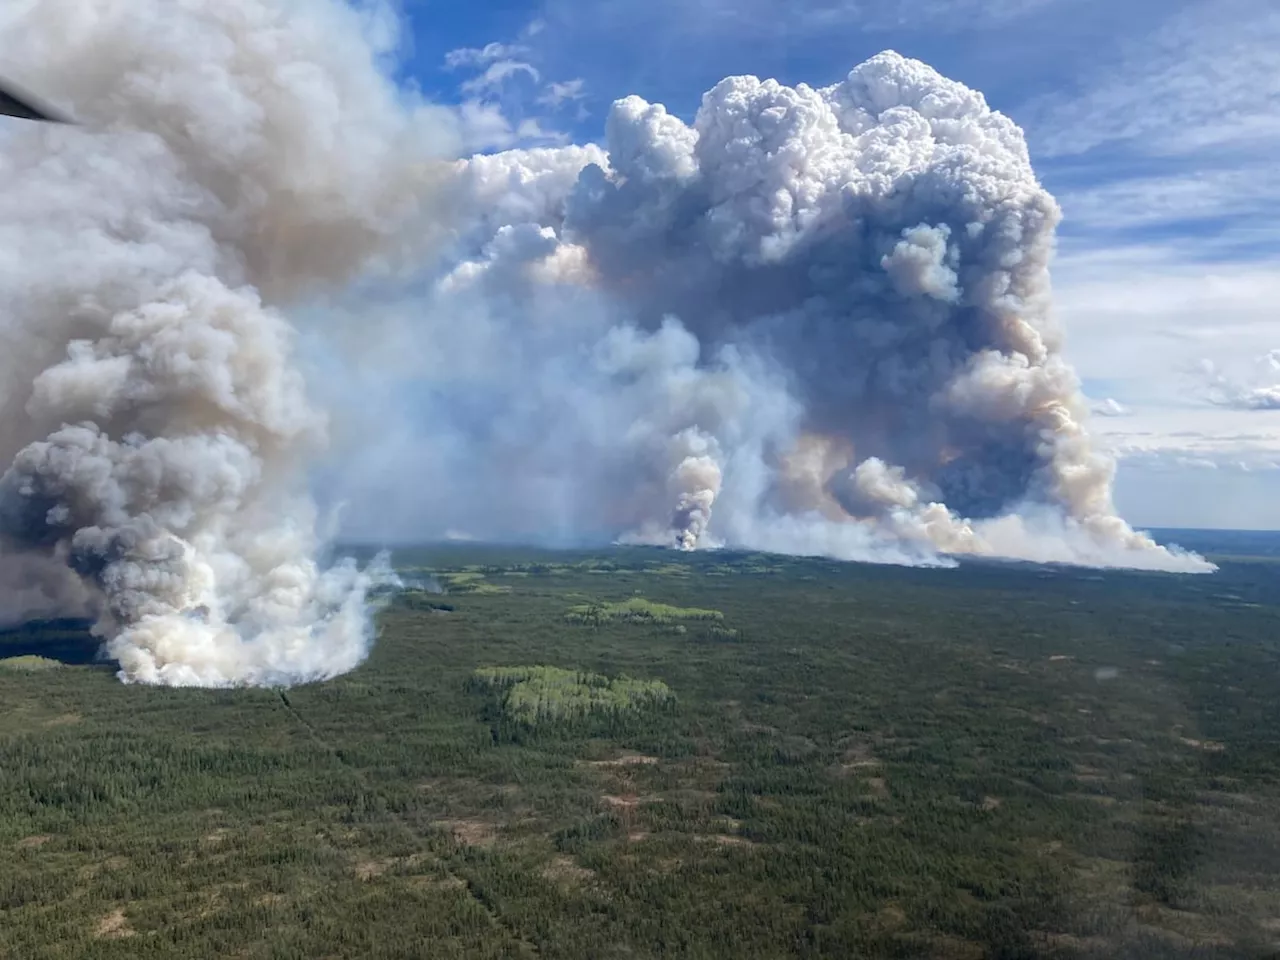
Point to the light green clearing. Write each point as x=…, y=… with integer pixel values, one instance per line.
x=637, y=610
x=538, y=694
x=29, y=664
x=470, y=581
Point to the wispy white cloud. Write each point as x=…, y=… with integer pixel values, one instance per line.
x=1254, y=389
x=1198, y=467
x=558, y=93
x=501, y=101
x=484, y=126
x=481, y=56
x=1206, y=78
x=1204, y=438
x=1109, y=407
x=1164, y=490
x=1173, y=141
x=1185, y=196
x=1139, y=316
x=936, y=14
x=748, y=20
x=1143, y=320
x=498, y=73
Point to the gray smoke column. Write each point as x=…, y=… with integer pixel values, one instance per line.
x=155, y=431
x=822, y=322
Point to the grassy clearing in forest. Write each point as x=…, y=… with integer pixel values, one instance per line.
x=29, y=664
x=637, y=610
x=532, y=695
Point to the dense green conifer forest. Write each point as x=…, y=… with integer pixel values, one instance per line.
x=634, y=753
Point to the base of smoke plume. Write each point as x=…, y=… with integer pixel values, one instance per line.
x=1036, y=534
x=188, y=650
x=1179, y=561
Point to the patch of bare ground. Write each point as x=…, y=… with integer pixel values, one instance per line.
x=471, y=832
x=991, y=803
x=63, y=720
x=1099, y=798
x=370, y=869
x=891, y=917
x=215, y=839
x=879, y=786
x=858, y=755
x=1070, y=942
x=271, y=900
x=1230, y=801
x=92, y=870
x=1208, y=746
x=724, y=840
x=626, y=760
x=114, y=926
x=941, y=947
x=438, y=883
x=691, y=796
x=563, y=869
x=626, y=802
x=635, y=836
x=708, y=765
x=215, y=900
x=34, y=843
x=1181, y=928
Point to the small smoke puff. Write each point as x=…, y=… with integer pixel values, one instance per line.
x=918, y=264
x=1110, y=408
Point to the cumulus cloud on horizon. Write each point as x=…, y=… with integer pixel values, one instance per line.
x=1258, y=389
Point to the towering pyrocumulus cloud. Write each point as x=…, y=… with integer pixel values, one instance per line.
x=815, y=320
x=234, y=155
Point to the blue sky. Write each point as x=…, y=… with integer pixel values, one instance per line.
x=1154, y=122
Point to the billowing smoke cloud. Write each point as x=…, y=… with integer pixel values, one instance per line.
x=815, y=321
x=236, y=155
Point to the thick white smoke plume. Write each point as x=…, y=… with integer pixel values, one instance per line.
x=815, y=321
x=235, y=154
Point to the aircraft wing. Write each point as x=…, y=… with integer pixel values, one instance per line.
x=15, y=102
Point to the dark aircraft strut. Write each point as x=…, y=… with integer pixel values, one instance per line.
x=15, y=102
